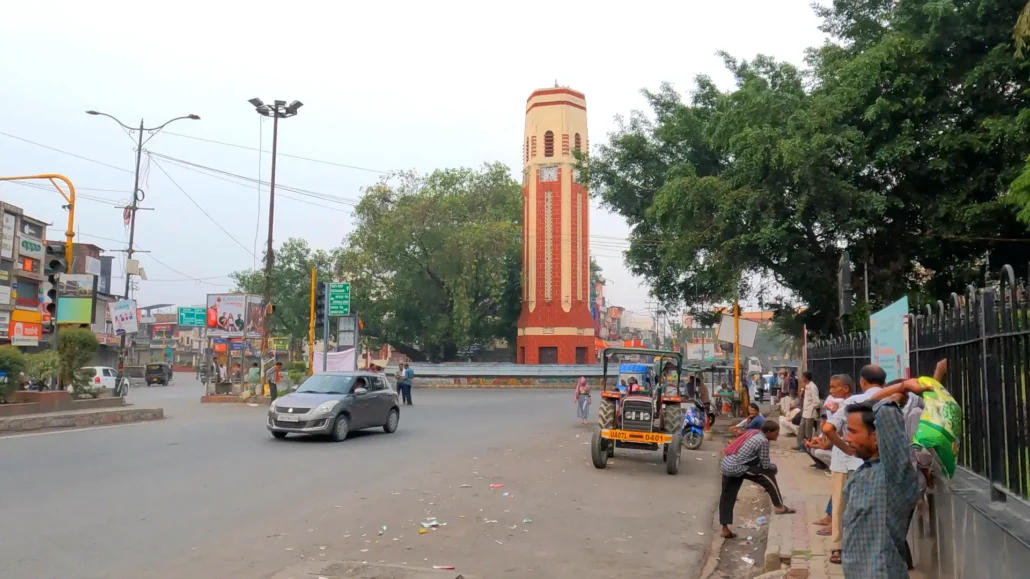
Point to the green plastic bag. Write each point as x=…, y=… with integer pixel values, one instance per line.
x=940, y=426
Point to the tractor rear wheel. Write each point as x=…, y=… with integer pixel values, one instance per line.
x=598, y=450
x=606, y=414
x=606, y=421
x=672, y=417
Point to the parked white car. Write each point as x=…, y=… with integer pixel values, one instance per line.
x=106, y=377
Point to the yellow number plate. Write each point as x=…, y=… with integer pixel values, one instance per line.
x=629, y=436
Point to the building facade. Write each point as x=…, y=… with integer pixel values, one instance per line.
x=555, y=326
x=22, y=251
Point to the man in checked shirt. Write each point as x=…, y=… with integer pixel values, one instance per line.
x=747, y=458
x=881, y=495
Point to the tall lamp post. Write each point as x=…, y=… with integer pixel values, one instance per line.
x=137, y=196
x=277, y=110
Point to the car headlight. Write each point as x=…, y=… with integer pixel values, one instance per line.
x=271, y=408
x=326, y=407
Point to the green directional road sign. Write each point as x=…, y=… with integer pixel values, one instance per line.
x=339, y=299
x=193, y=317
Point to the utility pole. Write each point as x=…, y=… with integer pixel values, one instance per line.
x=277, y=110
x=137, y=196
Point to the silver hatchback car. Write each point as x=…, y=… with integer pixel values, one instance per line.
x=335, y=404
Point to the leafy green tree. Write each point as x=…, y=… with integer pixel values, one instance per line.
x=42, y=366
x=75, y=348
x=291, y=285
x=897, y=144
x=12, y=363
x=435, y=260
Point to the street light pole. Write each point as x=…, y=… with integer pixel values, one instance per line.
x=137, y=196
x=277, y=110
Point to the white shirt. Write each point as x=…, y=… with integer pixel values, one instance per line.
x=839, y=460
x=811, y=401
x=830, y=400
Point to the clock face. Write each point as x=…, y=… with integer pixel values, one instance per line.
x=548, y=174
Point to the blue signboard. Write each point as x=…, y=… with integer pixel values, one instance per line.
x=888, y=333
x=236, y=346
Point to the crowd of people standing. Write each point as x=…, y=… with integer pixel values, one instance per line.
x=864, y=438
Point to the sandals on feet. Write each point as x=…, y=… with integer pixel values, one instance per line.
x=824, y=532
x=835, y=556
x=785, y=511
x=732, y=535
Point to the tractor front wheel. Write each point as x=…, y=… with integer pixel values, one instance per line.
x=599, y=449
x=672, y=460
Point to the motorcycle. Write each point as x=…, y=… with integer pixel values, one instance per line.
x=694, y=426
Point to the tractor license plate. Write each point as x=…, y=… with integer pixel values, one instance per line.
x=630, y=436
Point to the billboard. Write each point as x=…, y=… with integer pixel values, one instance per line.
x=888, y=331
x=123, y=317
x=76, y=298
x=25, y=333
x=255, y=319
x=226, y=314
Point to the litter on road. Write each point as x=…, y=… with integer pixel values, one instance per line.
x=497, y=486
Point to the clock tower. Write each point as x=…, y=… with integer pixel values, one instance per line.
x=555, y=326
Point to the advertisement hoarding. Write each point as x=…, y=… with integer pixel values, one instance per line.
x=76, y=298
x=123, y=317
x=888, y=332
x=226, y=314
x=255, y=318
x=25, y=333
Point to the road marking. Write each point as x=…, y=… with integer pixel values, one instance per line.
x=70, y=430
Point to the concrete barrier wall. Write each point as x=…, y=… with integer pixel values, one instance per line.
x=962, y=532
x=554, y=382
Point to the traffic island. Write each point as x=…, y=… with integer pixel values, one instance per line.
x=78, y=419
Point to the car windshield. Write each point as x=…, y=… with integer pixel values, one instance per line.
x=327, y=384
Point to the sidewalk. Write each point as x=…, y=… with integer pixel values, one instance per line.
x=792, y=539
x=793, y=542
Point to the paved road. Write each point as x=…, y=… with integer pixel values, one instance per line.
x=208, y=493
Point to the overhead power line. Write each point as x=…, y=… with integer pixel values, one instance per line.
x=55, y=149
x=206, y=214
x=281, y=154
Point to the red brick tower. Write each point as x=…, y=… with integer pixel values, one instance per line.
x=555, y=326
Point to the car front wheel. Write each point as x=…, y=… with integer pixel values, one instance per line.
x=278, y=435
x=340, y=428
x=392, y=421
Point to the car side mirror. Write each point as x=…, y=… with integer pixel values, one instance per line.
x=359, y=391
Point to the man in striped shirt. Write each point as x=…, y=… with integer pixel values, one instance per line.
x=747, y=458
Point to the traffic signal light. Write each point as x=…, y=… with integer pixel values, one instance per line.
x=55, y=266
x=319, y=304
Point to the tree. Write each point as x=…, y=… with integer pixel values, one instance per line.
x=12, y=363
x=595, y=273
x=1021, y=30
x=291, y=285
x=42, y=366
x=75, y=348
x=897, y=145
x=435, y=260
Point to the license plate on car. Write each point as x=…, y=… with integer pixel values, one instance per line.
x=630, y=436
x=288, y=418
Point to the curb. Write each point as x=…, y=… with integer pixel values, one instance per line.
x=79, y=419
x=711, y=560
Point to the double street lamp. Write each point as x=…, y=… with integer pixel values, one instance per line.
x=277, y=110
x=137, y=194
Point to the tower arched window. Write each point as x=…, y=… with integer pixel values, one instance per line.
x=578, y=142
x=549, y=144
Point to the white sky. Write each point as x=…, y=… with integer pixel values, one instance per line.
x=386, y=85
